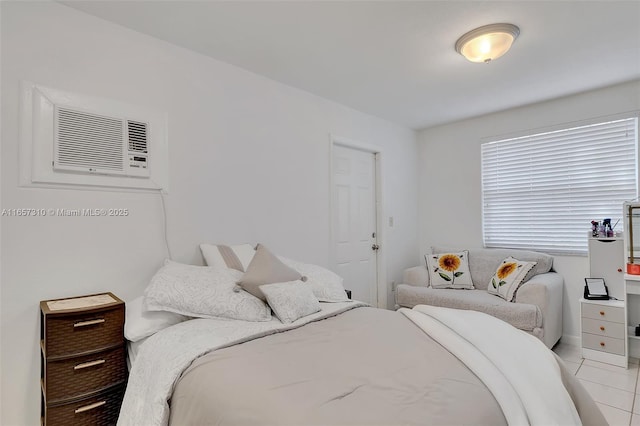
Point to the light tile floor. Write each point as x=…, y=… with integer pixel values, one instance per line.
x=615, y=390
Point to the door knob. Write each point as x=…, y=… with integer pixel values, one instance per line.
x=375, y=247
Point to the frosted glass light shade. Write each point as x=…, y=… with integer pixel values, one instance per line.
x=487, y=43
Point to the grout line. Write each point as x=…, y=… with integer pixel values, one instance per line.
x=635, y=396
x=609, y=386
x=609, y=405
x=624, y=372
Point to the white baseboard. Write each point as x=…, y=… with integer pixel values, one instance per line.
x=570, y=340
x=634, y=348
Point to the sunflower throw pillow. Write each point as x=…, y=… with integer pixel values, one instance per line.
x=508, y=277
x=449, y=270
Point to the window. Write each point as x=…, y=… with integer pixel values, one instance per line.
x=542, y=191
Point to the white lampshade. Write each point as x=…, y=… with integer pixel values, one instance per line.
x=487, y=43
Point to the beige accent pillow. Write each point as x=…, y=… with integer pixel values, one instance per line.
x=508, y=277
x=266, y=268
x=235, y=257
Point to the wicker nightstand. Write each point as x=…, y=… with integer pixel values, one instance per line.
x=83, y=366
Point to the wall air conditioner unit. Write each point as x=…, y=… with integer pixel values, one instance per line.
x=72, y=139
x=91, y=143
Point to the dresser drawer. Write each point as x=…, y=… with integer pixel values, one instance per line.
x=602, y=343
x=603, y=328
x=100, y=410
x=74, y=377
x=67, y=335
x=603, y=312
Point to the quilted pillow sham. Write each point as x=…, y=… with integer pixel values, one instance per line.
x=449, y=270
x=203, y=292
x=509, y=276
x=291, y=300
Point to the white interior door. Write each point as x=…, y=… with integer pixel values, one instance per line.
x=354, y=221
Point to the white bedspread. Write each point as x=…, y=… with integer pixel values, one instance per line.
x=518, y=369
x=153, y=377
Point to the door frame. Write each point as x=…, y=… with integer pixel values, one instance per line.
x=381, y=264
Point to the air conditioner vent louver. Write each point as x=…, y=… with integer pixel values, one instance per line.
x=89, y=141
x=137, y=136
x=71, y=140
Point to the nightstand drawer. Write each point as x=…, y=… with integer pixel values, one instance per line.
x=602, y=343
x=73, y=377
x=67, y=335
x=603, y=328
x=603, y=312
x=100, y=410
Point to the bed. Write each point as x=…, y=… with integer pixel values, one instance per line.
x=350, y=364
x=257, y=339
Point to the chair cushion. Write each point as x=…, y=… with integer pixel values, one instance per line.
x=484, y=262
x=521, y=315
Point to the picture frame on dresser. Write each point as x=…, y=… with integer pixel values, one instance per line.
x=83, y=370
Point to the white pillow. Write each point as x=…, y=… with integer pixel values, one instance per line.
x=235, y=257
x=290, y=300
x=204, y=292
x=509, y=277
x=449, y=270
x=325, y=284
x=141, y=323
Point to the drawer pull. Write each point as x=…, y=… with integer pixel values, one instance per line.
x=90, y=407
x=602, y=313
x=89, y=364
x=601, y=328
x=95, y=321
x=602, y=344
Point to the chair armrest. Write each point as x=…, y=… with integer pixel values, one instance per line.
x=418, y=276
x=545, y=291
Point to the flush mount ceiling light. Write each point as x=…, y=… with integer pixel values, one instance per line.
x=487, y=43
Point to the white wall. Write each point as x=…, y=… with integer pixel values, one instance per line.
x=249, y=161
x=449, y=175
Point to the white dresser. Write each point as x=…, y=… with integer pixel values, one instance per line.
x=603, y=331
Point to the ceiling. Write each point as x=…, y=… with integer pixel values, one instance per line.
x=396, y=59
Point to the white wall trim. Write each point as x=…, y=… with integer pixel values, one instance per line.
x=570, y=340
x=381, y=264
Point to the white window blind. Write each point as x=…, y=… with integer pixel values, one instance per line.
x=542, y=191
